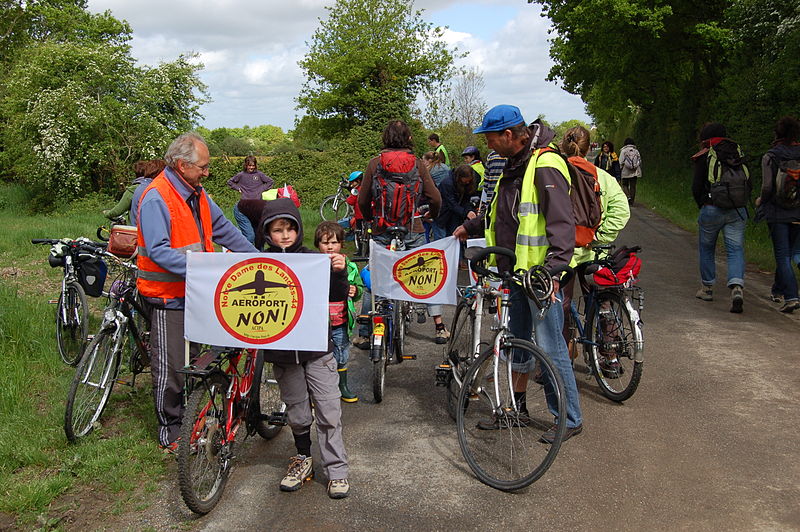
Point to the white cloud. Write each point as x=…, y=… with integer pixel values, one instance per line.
x=250, y=50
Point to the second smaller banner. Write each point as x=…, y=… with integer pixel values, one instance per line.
x=427, y=274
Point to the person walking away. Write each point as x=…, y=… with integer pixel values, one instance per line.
x=779, y=205
x=607, y=160
x=717, y=215
x=251, y=184
x=306, y=377
x=631, y=168
x=328, y=238
x=176, y=215
x=536, y=182
x=438, y=147
x=378, y=190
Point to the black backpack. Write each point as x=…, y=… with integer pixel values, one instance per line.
x=729, y=176
x=396, y=189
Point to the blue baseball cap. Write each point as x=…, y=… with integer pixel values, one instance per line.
x=500, y=117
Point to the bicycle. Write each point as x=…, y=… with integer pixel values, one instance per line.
x=335, y=206
x=226, y=395
x=125, y=325
x=611, y=330
x=500, y=429
x=72, y=309
x=390, y=318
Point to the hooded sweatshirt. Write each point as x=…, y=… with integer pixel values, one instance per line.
x=285, y=208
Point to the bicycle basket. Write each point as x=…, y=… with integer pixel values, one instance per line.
x=92, y=273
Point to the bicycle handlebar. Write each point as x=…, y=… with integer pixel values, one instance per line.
x=478, y=256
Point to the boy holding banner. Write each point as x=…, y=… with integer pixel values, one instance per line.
x=306, y=376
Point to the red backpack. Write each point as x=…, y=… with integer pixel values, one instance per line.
x=396, y=188
x=621, y=267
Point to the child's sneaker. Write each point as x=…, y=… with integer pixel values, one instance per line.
x=338, y=489
x=300, y=470
x=442, y=335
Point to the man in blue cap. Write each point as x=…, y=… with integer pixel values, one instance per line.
x=531, y=213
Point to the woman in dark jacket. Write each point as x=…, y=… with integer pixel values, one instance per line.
x=607, y=160
x=783, y=221
x=457, y=193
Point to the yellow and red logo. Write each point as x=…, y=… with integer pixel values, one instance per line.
x=422, y=273
x=258, y=300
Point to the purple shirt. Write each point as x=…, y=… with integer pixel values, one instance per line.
x=250, y=185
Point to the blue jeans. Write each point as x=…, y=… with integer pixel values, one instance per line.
x=549, y=337
x=341, y=344
x=731, y=222
x=786, y=245
x=244, y=224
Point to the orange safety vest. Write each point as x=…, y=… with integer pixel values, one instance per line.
x=153, y=280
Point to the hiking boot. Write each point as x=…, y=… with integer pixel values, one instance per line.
x=705, y=293
x=611, y=369
x=338, y=489
x=506, y=421
x=775, y=298
x=361, y=342
x=790, y=306
x=442, y=335
x=300, y=471
x=550, y=435
x=171, y=448
x=737, y=299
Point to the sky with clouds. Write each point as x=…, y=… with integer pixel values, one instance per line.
x=250, y=50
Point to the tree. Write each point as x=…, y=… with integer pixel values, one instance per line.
x=367, y=63
x=77, y=111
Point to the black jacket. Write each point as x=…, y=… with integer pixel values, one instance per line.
x=285, y=208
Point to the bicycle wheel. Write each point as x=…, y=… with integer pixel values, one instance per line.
x=612, y=351
x=498, y=431
x=379, y=370
x=203, y=457
x=458, y=351
x=333, y=208
x=268, y=399
x=402, y=311
x=72, y=323
x=92, y=385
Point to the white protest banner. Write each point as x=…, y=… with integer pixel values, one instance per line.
x=427, y=274
x=479, y=243
x=270, y=300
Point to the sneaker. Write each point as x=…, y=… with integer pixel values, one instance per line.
x=300, y=471
x=171, y=448
x=790, y=306
x=611, y=369
x=442, y=336
x=338, y=489
x=776, y=298
x=550, y=435
x=737, y=299
x=705, y=293
x=361, y=342
x=507, y=421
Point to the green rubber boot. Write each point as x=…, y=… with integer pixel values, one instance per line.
x=347, y=395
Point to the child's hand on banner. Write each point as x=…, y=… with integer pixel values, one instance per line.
x=337, y=262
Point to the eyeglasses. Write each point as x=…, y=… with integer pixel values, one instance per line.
x=203, y=168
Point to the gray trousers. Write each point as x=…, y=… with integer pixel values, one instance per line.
x=167, y=356
x=318, y=381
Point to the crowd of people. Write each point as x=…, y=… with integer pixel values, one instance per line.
x=519, y=198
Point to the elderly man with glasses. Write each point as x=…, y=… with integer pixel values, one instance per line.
x=176, y=215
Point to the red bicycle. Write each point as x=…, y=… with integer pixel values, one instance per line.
x=230, y=386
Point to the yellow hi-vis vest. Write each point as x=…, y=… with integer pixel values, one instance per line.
x=531, y=246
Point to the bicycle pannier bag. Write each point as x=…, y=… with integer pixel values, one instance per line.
x=396, y=187
x=92, y=275
x=122, y=241
x=622, y=266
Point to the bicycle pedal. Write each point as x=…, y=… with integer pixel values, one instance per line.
x=363, y=319
x=276, y=418
x=52, y=301
x=443, y=374
x=408, y=357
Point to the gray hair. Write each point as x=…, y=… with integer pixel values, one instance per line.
x=185, y=148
